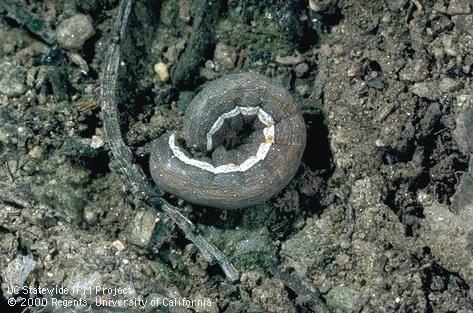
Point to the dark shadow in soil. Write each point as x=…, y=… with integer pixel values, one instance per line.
x=93, y=122
x=332, y=18
x=308, y=40
x=317, y=153
x=215, y=270
x=4, y=307
x=318, y=157
x=218, y=218
x=98, y=165
x=89, y=53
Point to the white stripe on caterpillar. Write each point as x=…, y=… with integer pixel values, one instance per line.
x=263, y=148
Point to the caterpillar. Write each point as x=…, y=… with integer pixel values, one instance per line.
x=242, y=142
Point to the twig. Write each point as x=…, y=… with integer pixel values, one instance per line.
x=134, y=177
x=291, y=59
x=310, y=298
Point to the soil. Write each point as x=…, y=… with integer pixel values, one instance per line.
x=379, y=217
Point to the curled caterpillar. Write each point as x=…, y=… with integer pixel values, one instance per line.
x=242, y=142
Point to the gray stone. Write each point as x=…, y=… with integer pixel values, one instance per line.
x=462, y=200
x=301, y=69
x=415, y=70
x=89, y=215
x=425, y=90
x=225, y=56
x=448, y=85
x=463, y=133
x=448, y=234
x=459, y=7
x=310, y=247
x=464, y=23
x=142, y=227
x=73, y=32
x=344, y=298
x=8, y=243
x=16, y=272
x=12, y=80
x=320, y=5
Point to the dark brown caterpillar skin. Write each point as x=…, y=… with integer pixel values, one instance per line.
x=235, y=189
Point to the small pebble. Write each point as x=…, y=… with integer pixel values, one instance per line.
x=185, y=10
x=425, y=90
x=464, y=22
x=162, y=70
x=416, y=70
x=463, y=133
x=118, y=245
x=459, y=7
x=210, y=65
x=303, y=90
x=386, y=18
x=90, y=216
x=379, y=143
x=141, y=228
x=301, y=69
x=36, y=152
x=448, y=84
x=225, y=56
x=320, y=5
x=74, y=31
x=342, y=260
x=96, y=142
x=12, y=80
x=449, y=45
x=352, y=70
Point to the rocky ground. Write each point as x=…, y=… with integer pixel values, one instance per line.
x=378, y=219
